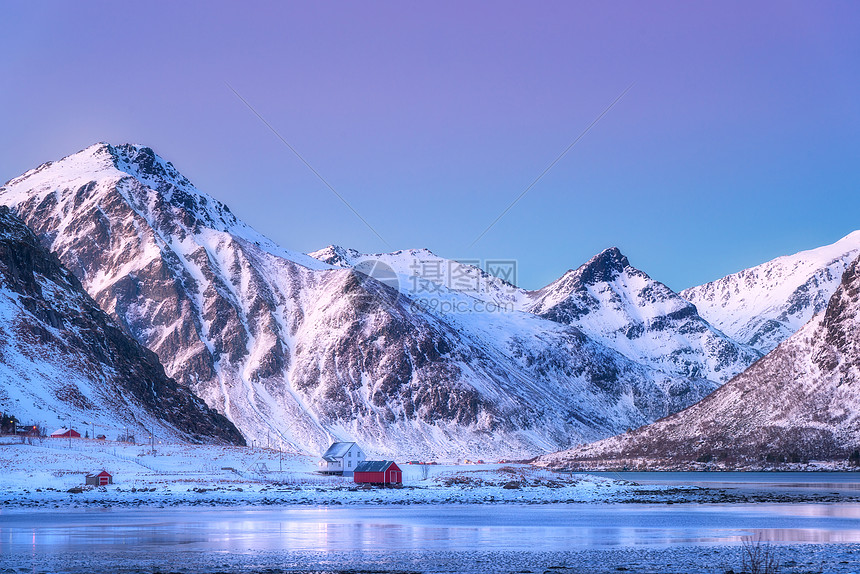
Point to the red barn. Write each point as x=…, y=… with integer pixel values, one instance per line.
x=99, y=478
x=65, y=433
x=378, y=472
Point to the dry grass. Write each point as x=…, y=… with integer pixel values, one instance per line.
x=758, y=557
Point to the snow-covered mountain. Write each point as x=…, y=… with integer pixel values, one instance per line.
x=643, y=319
x=763, y=305
x=425, y=277
x=800, y=402
x=63, y=361
x=299, y=351
x=606, y=298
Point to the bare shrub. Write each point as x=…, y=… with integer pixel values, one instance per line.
x=758, y=557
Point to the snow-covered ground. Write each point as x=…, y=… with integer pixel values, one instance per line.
x=42, y=473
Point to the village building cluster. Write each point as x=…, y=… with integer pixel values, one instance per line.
x=345, y=459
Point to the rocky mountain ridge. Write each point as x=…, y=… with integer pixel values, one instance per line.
x=801, y=402
x=410, y=353
x=625, y=309
x=63, y=361
x=606, y=298
x=764, y=305
x=299, y=352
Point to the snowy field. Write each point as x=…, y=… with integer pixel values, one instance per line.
x=42, y=474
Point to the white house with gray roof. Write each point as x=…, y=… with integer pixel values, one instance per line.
x=341, y=458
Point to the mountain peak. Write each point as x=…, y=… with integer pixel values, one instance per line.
x=604, y=266
x=798, y=402
x=103, y=176
x=141, y=161
x=336, y=256
x=104, y=160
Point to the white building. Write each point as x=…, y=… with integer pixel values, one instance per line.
x=341, y=458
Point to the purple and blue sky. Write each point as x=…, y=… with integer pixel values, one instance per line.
x=739, y=142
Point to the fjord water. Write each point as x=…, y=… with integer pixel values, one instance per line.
x=448, y=538
x=430, y=528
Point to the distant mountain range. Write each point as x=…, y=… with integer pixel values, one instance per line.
x=799, y=403
x=409, y=353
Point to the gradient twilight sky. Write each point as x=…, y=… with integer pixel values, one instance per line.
x=739, y=142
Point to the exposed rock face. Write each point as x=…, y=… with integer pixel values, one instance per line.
x=299, y=351
x=625, y=309
x=63, y=359
x=606, y=298
x=800, y=402
x=764, y=305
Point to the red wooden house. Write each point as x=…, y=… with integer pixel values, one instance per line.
x=378, y=472
x=65, y=433
x=99, y=478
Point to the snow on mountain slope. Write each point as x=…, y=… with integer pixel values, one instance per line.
x=179, y=271
x=64, y=362
x=607, y=299
x=298, y=351
x=625, y=309
x=800, y=402
x=763, y=305
x=423, y=276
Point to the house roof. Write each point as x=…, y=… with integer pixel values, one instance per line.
x=337, y=450
x=374, y=466
x=99, y=473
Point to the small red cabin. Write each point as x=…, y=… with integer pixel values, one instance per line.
x=99, y=478
x=65, y=433
x=378, y=472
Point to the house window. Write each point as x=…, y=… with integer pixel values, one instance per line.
x=349, y=464
x=349, y=454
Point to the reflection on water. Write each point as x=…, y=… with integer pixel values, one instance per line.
x=431, y=528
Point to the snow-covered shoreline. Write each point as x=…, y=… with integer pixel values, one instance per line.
x=51, y=474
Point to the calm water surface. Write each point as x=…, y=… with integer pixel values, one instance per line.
x=425, y=528
x=472, y=539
